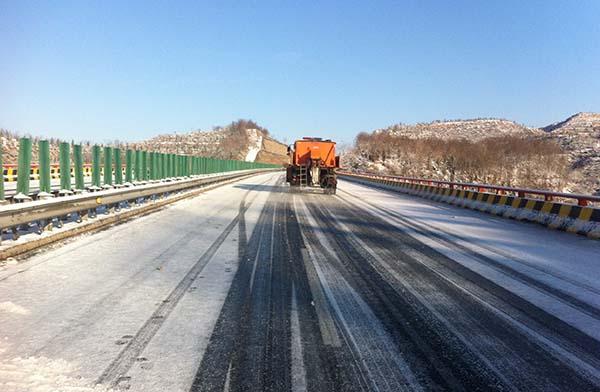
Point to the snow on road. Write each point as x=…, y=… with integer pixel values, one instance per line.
x=250, y=286
x=562, y=261
x=70, y=311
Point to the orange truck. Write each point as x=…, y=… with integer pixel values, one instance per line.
x=312, y=164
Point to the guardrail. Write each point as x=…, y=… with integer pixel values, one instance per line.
x=513, y=203
x=53, y=211
x=582, y=200
x=109, y=167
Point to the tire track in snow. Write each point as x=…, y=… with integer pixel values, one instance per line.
x=116, y=370
x=557, y=293
x=562, y=352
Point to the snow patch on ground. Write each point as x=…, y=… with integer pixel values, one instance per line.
x=11, y=307
x=255, y=140
x=41, y=374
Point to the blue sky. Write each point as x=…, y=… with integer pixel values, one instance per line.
x=110, y=70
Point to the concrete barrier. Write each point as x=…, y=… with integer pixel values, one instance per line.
x=584, y=220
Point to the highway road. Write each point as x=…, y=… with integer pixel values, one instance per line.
x=251, y=287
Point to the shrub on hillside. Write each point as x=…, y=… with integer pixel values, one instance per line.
x=507, y=160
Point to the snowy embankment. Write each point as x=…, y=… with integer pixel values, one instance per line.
x=255, y=140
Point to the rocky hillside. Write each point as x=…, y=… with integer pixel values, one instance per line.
x=473, y=130
x=240, y=140
x=563, y=156
x=579, y=136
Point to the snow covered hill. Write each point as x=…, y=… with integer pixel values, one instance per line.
x=564, y=156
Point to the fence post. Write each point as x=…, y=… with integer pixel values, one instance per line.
x=78, y=163
x=95, y=168
x=44, y=170
x=118, y=167
x=64, y=158
x=24, y=169
x=128, y=166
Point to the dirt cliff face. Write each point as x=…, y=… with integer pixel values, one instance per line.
x=272, y=152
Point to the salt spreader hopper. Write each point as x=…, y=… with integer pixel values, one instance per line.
x=312, y=165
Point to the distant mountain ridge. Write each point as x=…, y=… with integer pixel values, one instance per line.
x=471, y=129
x=577, y=136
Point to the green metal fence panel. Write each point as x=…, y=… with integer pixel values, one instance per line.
x=151, y=166
x=64, y=161
x=96, y=166
x=145, y=166
x=168, y=173
x=118, y=166
x=164, y=164
x=158, y=166
x=108, y=175
x=78, y=163
x=167, y=165
x=129, y=166
x=24, y=166
x=138, y=165
x=44, y=166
